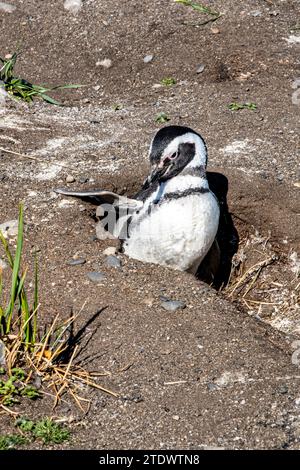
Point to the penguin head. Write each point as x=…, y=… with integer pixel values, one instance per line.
x=174, y=148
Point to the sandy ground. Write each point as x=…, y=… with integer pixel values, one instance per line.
x=218, y=373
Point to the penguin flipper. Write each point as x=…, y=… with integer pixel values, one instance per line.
x=98, y=196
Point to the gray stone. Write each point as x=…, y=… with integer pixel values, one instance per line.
x=148, y=58
x=212, y=387
x=113, y=261
x=76, y=261
x=96, y=276
x=83, y=179
x=9, y=228
x=37, y=383
x=255, y=13
x=173, y=305
x=282, y=389
x=200, y=69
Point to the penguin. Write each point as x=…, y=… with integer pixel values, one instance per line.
x=173, y=220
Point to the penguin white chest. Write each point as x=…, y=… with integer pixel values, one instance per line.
x=176, y=232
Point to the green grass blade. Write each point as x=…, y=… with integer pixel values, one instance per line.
x=49, y=99
x=65, y=87
x=15, y=274
x=198, y=7
x=2, y=317
x=21, y=284
x=1, y=284
x=35, y=300
x=19, y=296
x=20, y=89
x=26, y=318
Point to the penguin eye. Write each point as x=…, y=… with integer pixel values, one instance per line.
x=172, y=157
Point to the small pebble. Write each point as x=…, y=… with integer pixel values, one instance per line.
x=173, y=305
x=3, y=265
x=83, y=179
x=113, y=261
x=73, y=6
x=148, y=58
x=176, y=417
x=149, y=301
x=106, y=63
x=215, y=30
x=282, y=389
x=70, y=179
x=37, y=383
x=255, y=13
x=200, y=69
x=212, y=387
x=76, y=262
x=96, y=276
x=110, y=250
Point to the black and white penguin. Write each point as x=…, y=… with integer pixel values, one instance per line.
x=173, y=220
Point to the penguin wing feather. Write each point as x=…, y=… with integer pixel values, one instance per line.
x=99, y=196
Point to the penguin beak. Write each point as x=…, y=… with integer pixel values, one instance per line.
x=160, y=169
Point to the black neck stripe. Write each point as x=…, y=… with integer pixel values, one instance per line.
x=185, y=193
x=194, y=171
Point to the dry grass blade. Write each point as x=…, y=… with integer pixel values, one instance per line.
x=77, y=400
x=40, y=354
x=70, y=362
x=50, y=358
x=87, y=381
x=99, y=387
x=12, y=354
x=255, y=271
x=260, y=302
x=7, y=410
x=29, y=319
